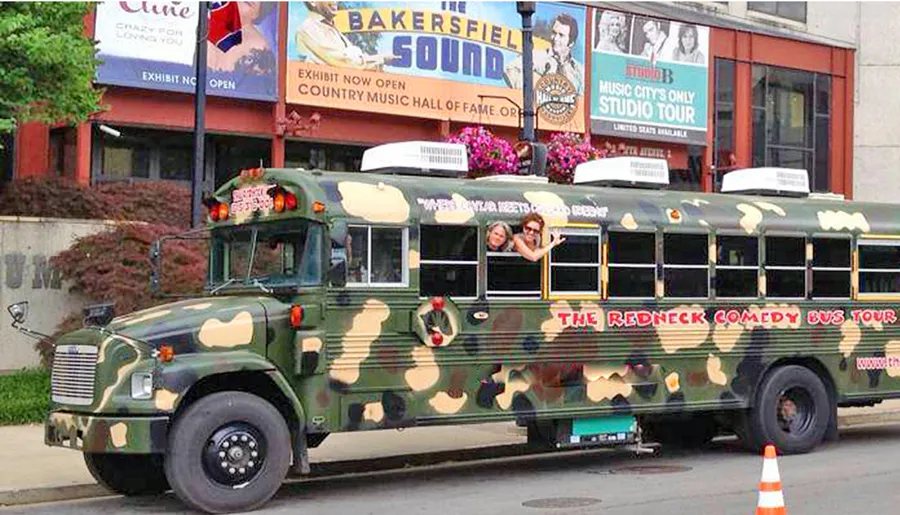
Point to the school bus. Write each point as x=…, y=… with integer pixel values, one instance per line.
x=378, y=299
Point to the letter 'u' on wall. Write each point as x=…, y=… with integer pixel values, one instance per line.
x=27, y=244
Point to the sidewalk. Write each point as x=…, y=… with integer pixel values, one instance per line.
x=44, y=473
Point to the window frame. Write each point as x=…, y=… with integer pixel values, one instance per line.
x=690, y=232
x=576, y=230
x=756, y=267
x=404, y=257
x=610, y=265
x=858, y=270
x=804, y=267
x=754, y=7
x=476, y=263
x=852, y=276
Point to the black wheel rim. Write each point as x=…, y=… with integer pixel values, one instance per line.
x=795, y=411
x=234, y=454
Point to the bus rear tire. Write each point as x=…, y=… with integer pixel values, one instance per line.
x=128, y=474
x=229, y=451
x=791, y=411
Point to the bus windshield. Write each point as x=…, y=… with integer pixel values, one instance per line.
x=267, y=255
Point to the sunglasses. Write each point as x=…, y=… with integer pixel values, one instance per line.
x=531, y=229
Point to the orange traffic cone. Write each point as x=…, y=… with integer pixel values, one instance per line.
x=771, y=499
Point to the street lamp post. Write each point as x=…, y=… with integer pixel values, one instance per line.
x=526, y=10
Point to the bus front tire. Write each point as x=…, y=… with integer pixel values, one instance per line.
x=791, y=411
x=229, y=451
x=128, y=474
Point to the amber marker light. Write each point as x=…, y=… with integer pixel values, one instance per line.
x=296, y=316
x=278, y=202
x=223, y=211
x=166, y=353
x=318, y=207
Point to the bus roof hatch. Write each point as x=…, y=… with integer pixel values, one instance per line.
x=785, y=182
x=639, y=172
x=424, y=158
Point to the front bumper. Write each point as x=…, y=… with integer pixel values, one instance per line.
x=106, y=434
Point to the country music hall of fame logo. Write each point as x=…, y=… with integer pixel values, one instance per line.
x=556, y=98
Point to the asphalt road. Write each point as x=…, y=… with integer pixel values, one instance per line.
x=857, y=475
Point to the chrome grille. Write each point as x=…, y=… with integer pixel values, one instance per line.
x=72, y=380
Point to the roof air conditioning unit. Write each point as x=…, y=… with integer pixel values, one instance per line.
x=641, y=172
x=785, y=182
x=417, y=158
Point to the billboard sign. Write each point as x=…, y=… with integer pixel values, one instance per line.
x=649, y=78
x=150, y=45
x=459, y=61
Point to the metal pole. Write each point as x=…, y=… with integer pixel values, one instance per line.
x=527, y=10
x=197, y=217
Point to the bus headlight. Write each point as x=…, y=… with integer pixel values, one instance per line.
x=142, y=385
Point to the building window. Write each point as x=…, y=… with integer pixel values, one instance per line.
x=791, y=121
x=231, y=154
x=831, y=267
x=311, y=155
x=142, y=154
x=632, y=264
x=737, y=266
x=62, y=151
x=723, y=123
x=7, y=156
x=686, y=265
x=791, y=10
x=449, y=261
x=376, y=256
x=575, y=266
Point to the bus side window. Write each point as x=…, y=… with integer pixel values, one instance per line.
x=375, y=256
x=831, y=268
x=575, y=266
x=510, y=275
x=632, y=264
x=737, y=266
x=686, y=265
x=449, y=261
x=785, y=267
x=879, y=266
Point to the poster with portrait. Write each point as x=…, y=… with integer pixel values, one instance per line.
x=459, y=61
x=649, y=78
x=151, y=45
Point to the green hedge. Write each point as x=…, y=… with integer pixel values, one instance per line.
x=24, y=397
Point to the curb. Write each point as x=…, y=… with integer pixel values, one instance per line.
x=380, y=464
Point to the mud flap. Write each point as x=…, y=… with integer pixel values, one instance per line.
x=301, y=454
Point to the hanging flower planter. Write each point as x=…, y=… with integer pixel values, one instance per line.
x=566, y=151
x=488, y=154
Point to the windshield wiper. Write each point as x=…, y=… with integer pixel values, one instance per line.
x=261, y=285
x=252, y=254
x=219, y=287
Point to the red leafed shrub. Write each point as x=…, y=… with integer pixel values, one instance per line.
x=51, y=198
x=153, y=201
x=114, y=266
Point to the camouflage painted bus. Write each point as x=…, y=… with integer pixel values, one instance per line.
x=378, y=299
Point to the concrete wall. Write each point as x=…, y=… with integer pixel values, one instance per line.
x=26, y=245
x=876, y=167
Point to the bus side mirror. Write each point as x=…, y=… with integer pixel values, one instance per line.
x=155, y=255
x=337, y=271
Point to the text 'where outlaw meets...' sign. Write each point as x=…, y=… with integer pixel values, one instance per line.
x=649, y=78
x=438, y=60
